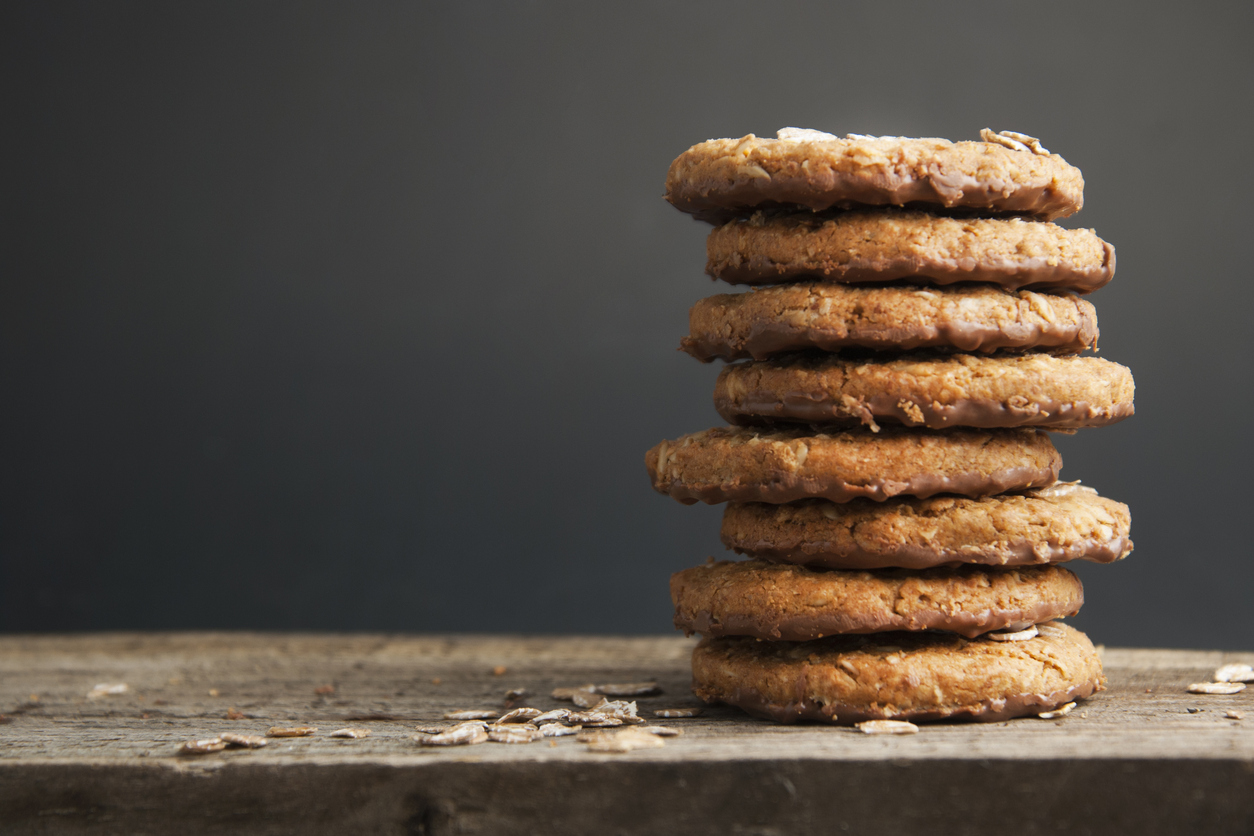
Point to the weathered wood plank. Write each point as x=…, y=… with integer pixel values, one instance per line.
x=1134, y=757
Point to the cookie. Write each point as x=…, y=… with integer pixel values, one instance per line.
x=774, y=601
x=1059, y=523
x=835, y=317
x=898, y=676
x=936, y=391
x=740, y=464
x=879, y=245
x=721, y=178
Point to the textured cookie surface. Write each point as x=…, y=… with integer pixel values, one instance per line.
x=831, y=317
x=936, y=391
x=721, y=178
x=1055, y=524
x=884, y=245
x=774, y=601
x=744, y=465
x=898, y=676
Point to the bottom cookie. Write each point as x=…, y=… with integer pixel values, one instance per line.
x=898, y=676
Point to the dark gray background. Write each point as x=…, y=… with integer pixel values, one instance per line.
x=362, y=316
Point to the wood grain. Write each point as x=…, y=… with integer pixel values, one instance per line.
x=1144, y=755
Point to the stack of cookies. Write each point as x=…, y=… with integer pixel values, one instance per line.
x=913, y=333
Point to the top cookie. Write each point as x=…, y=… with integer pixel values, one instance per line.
x=1007, y=173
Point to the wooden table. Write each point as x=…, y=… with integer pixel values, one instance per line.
x=1143, y=757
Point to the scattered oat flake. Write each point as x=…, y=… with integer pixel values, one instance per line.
x=513, y=734
x=467, y=734
x=290, y=731
x=353, y=734
x=104, y=689
x=558, y=730
x=202, y=747
x=520, y=715
x=619, y=741
x=887, y=727
x=594, y=719
x=432, y=729
x=1234, y=715
x=243, y=741
x=677, y=713
x=661, y=731
x=499, y=670
x=1016, y=636
x=1060, y=711
x=557, y=715
x=471, y=715
x=586, y=698
x=569, y=693
x=629, y=689
x=1235, y=673
x=1217, y=688
x=324, y=689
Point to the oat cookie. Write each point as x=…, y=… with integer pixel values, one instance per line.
x=722, y=178
x=745, y=465
x=898, y=676
x=936, y=391
x=879, y=245
x=773, y=601
x=1059, y=523
x=832, y=317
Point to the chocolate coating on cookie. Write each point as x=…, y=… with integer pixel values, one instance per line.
x=834, y=317
x=898, y=676
x=771, y=601
x=880, y=245
x=745, y=465
x=935, y=391
x=722, y=178
x=1056, y=524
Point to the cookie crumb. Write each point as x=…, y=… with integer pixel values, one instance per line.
x=499, y=670
x=323, y=690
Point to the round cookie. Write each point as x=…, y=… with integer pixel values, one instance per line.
x=740, y=464
x=898, y=676
x=1062, y=522
x=774, y=601
x=721, y=178
x=832, y=317
x=879, y=245
x=935, y=391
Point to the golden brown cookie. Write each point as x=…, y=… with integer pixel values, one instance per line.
x=879, y=245
x=936, y=391
x=775, y=601
x=745, y=465
x=832, y=317
x=898, y=676
x=722, y=178
x=1062, y=522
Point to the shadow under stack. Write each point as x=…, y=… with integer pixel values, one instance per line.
x=913, y=332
